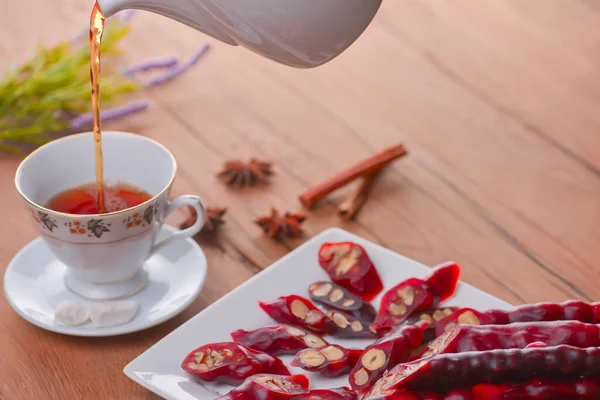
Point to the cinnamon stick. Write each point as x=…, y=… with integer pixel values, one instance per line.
x=350, y=207
x=362, y=168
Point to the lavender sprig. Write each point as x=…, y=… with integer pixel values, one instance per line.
x=51, y=105
x=110, y=114
x=40, y=95
x=178, y=69
x=166, y=62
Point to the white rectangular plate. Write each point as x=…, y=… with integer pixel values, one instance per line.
x=159, y=370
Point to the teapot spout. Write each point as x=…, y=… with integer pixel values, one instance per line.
x=180, y=12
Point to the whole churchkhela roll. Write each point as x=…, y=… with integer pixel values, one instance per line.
x=463, y=338
x=572, y=310
x=537, y=389
x=463, y=370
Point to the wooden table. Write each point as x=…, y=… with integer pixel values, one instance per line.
x=497, y=102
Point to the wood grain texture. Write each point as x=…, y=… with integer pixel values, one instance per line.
x=496, y=101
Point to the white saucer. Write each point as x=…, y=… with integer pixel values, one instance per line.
x=34, y=285
x=114, y=291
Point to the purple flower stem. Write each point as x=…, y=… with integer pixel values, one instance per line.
x=178, y=69
x=148, y=65
x=110, y=114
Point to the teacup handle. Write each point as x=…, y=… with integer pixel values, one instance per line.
x=185, y=200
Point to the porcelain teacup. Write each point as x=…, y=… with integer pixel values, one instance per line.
x=104, y=254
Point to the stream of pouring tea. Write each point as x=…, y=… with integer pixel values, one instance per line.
x=96, y=31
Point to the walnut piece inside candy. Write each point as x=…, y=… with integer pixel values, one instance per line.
x=373, y=359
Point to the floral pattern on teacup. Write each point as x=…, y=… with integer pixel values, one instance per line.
x=141, y=219
x=149, y=213
x=44, y=220
x=94, y=227
x=101, y=228
x=77, y=228
x=97, y=227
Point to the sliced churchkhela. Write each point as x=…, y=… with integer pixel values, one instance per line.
x=414, y=295
x=573, y=310
x=298, y=311
x=342, y=393
x=269, y=387
x=442, y=281
x=536, y=351
x=520, y=335
x=349, y=265
x=231, y=363
x=398, y=303
x=384, y=354
x=349, y=326
x=431, y=316
x=463, y=316
x=336, y=297
x=537, y=389
x=331, y=360
x=278, y=339
x=464, y=370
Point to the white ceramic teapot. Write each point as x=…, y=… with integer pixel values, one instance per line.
x=298, y=33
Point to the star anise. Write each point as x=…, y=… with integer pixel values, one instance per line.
x=239, y=173
x=281, y=227
x=214, y=219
